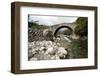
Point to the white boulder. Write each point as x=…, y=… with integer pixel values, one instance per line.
x=50, y=50
x=61, y=52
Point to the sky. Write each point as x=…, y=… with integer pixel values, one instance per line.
x=51, y=20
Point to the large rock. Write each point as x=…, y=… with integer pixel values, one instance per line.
x=61, y=52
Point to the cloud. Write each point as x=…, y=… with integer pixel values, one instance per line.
x=51, y=20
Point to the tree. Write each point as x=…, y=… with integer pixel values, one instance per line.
x=81, y=29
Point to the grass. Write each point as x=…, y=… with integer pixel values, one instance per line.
x=77, y=49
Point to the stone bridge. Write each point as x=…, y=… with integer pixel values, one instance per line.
x=65, y=25
x=57, y=27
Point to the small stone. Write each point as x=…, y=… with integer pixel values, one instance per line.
x=42, y=48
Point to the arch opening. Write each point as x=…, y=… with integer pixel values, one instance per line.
x=59, y=28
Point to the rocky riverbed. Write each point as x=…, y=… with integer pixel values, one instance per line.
x=45, y=50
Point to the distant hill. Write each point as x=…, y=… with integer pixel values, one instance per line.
x=34, y=25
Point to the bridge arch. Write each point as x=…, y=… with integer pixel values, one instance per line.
x=55, y=33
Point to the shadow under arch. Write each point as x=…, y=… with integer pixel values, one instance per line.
x=55, y=33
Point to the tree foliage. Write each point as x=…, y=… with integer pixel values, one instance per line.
x=82, y=26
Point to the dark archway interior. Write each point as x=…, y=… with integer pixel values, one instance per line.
x=55, y=33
